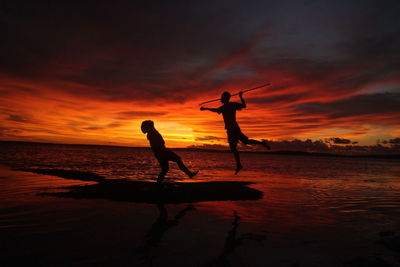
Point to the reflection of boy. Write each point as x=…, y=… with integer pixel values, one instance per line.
x=228, y=110
x=162, y=154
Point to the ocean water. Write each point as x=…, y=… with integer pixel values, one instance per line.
x=321, y=211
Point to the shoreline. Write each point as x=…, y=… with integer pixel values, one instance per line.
x=394, y=156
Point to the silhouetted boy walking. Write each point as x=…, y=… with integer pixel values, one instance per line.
x=162, y=154
x=228, y=110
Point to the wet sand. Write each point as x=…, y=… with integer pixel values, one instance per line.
x=127, y=190
x=48, y=220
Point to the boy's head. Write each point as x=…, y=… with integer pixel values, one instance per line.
x=147, y=126
x=225, y=97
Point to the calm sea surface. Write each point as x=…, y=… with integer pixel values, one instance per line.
x=314, y=210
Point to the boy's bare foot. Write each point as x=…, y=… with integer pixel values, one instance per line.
x=266, y=145
x=238, y=168
x=193, y=174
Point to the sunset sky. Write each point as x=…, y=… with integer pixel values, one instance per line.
x=89, y=72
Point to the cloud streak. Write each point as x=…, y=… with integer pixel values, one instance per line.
x=359, y=105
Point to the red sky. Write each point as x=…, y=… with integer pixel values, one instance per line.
x=90, y=73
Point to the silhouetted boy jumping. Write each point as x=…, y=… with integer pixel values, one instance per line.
x=162, y=154
x=228, y=110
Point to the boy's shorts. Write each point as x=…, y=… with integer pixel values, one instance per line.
x=234, y=135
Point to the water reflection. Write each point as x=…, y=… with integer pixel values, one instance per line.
x=156, y=233
x=233, y=241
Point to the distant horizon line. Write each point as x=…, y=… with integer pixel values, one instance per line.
x=72, y=144
x=277, y=152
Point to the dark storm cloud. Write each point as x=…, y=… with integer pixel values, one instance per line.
x=296, y=145
x=345, y=46
x=371, y=57
x=121, y=48
x=131, y=50
x=301, y=127
x=337, y=140
x=3, y=131
x=17, y=118
x=127, y=115
x=394, y=141
x=383, y=103
x=210, y=138
x=285, y=98
x=9, y=132
x=76, y=125
x=313, y=120
x=375, y=36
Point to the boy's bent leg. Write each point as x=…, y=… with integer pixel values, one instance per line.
x=164, y=169
x=246, y=141
x=233, y=147
x=264, y=143
x=181, y=165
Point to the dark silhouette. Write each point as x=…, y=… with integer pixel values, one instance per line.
x=158, y=229
x=228, y=110
x=162, y=154
x=147, y=192
x=232, y=242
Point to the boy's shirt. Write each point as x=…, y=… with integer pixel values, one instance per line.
x=228, y=111
x=156, y=141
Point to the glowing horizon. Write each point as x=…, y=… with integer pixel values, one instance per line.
x=95, y=85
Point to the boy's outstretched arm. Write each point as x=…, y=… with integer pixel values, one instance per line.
x=210, y=109
x=242, y=99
